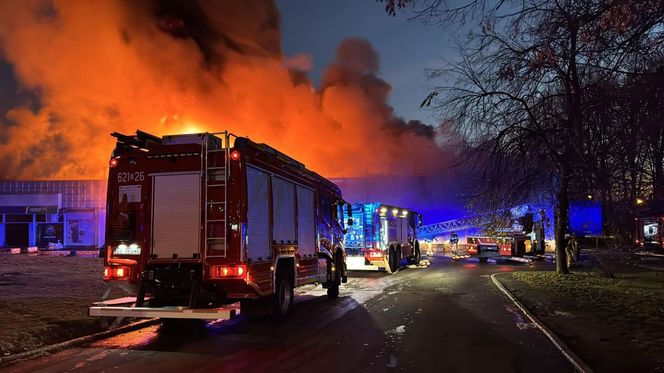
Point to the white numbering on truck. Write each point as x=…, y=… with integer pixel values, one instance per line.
x=127, y=177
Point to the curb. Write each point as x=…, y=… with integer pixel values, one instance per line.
x=578, y=364
x=42, y=351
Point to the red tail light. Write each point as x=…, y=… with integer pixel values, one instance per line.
x=113, y=162
x=117, y=273
x=375, y=254
x=235, y=155
x=238, y=271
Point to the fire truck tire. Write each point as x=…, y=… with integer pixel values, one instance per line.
x=282, y=302
x=339, y=273
x=415, y=259
x=393, y=260
x=484, y=260
x=333, y=291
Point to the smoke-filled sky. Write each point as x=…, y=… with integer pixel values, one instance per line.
x=406, y=47
x=80, y=70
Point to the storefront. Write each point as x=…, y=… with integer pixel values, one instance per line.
x=52, y=214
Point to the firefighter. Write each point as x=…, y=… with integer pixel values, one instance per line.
x=571, y=249
x=454, y=242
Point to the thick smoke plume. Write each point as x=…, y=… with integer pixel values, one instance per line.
x=190, y=66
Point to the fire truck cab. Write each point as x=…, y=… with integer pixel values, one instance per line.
x=382, y=237
x=201, y=225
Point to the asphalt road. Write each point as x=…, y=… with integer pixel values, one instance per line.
x=446, y=318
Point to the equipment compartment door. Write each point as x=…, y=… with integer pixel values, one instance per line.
x=306, y=231
x=258, y=214
x=283, y=211
x=176, y=215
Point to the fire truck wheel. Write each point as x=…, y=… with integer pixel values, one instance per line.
x=333, y=291
x=484, y=260
x=415, y=259
x=393, y=260
x=283, y=297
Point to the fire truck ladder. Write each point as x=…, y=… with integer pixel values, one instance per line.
x=433, y=230
x=215, y=176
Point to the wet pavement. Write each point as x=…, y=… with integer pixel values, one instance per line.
x=449, y=317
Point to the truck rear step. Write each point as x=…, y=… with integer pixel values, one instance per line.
x=357, y=263
x=226, y=312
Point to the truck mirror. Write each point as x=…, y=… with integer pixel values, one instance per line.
x=350, y=222
x=349, y=210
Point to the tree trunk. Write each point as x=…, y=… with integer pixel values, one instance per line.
x=562, y=217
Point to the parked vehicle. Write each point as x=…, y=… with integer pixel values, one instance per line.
x=483, y=248
x=206, y=225
x=650, y=233
x=382, y=237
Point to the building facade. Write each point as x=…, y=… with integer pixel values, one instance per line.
x=55, y=213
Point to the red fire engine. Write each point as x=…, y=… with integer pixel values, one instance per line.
x=511, y=248
x=486, y=247
x=200, y=225
x=381, y=237
x=650, y=233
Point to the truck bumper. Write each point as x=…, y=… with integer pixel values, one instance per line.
x=226, y=312
x=358, y=263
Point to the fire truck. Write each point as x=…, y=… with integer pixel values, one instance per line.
x=484, y=248
x=511, y=248
x=382, y=237
x=649, y=233
x=204, y=226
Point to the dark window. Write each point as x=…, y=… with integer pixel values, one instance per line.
x=326, y=209
x=40, y=217
x=123, y=228
x=19, y=218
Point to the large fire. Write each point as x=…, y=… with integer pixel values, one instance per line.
x=181, y=66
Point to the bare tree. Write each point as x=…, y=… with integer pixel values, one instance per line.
x=526, y=92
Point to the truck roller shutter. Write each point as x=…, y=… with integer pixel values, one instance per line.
x=176, y=215
x=306, y=235
x=258, y=223
x=283, y=211
x=402, y=230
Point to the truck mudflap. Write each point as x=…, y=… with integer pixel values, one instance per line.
x=104, y=309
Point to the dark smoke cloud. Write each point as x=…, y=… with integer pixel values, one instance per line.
x=167, y=66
